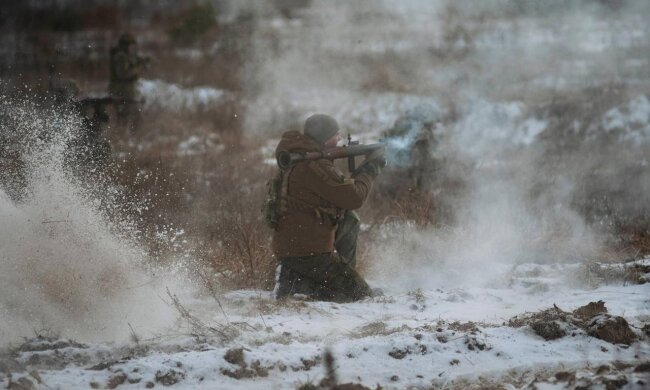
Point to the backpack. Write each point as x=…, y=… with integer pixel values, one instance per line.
x=272, y=204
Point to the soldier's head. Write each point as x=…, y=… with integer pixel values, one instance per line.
x=126, y=40
x=323, y=129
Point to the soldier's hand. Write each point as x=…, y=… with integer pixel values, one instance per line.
x=373, y=163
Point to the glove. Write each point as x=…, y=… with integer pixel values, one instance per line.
x=373, y=163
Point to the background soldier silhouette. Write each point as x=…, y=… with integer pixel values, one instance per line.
x=125, y=68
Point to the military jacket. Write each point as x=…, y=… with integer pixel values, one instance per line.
x=317, y=194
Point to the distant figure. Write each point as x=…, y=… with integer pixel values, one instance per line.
x=415, y=130
x=423, y=169
x=125, y=68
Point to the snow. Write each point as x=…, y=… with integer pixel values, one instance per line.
x=412, y=335
x=159, y=94
x=199, y=144
x=631, y=119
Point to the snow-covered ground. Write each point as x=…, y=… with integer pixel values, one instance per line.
x=445, y=338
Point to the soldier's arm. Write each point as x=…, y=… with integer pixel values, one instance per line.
x=344, y=192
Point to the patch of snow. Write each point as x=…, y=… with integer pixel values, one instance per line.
x=159, y=94
x=632, y=120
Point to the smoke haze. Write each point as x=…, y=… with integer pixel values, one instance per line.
x=522, y=94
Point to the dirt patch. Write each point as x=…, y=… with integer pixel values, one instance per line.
x=235, y=356
x=592, y=319
x=565, y=376
x=473, y=344
x=467, y=327
x=590, y=310
x=43, y=343
x=378, y=328
x=324, y=385
x=612, y=329
x=550, y=324
x=398, y=353
x=549, y=330
x=307, y=364
x=169, y=377
x=116, y=380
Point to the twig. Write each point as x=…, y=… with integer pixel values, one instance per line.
x=199, y=326
x=208, y=285
x=141, y=285
x=134, y=336
x=465, y=356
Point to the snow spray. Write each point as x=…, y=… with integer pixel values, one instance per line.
x=66, y=270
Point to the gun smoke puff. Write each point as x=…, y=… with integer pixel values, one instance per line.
x=64, y=267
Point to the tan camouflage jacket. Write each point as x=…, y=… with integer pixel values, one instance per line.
x=315, y=193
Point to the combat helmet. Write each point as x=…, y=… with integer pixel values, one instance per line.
x=320, y=127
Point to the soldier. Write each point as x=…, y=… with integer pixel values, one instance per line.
x=125, y=69
x=316, y=234
x=415, y=132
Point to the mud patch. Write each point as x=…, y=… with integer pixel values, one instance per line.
x=591, y=319
x=590, y=310
x=235, y=356
x=549, y=330
x=169, y=377
x=612, y=329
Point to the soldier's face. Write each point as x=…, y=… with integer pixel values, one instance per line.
x=332, y=142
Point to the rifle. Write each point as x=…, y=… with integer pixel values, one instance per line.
x=95, y=101
x=350, y=151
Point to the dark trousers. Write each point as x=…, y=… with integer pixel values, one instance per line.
x=326, y=276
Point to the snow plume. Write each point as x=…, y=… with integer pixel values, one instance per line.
x=64, y=268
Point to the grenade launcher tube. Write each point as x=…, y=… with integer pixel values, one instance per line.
x=287, y=159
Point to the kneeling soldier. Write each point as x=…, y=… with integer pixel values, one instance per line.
x=315, y=238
